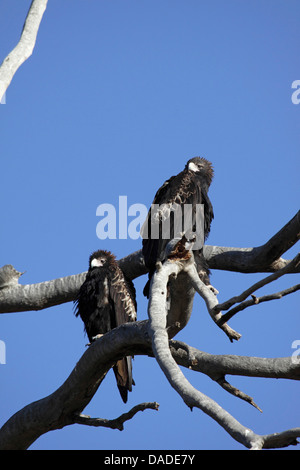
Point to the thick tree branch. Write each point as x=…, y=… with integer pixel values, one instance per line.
x=22, y=298
x=60, y=408
x=16, y=297
x=264, y=258
x=63, y=406
x=192, y=397
x=218, y=366
x=25, y=46
x=281, y=439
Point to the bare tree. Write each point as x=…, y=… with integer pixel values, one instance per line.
x=154, y=338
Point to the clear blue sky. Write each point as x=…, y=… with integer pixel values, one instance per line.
x=116, y=97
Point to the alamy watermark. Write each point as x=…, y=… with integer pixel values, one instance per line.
x=165, y=221
x=2, y=352
x=296, y=353
x=296, y=94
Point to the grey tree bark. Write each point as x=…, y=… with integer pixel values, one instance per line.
x=25, y=46
x=154, y=338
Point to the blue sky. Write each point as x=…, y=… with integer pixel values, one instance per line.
x=116, y=97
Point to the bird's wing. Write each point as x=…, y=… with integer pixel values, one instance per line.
x=175, y=192
x=208, y=212
x=92, y=304
x=164, y=197
x=122, y=294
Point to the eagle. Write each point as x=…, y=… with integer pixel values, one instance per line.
x=106, y=300
x=187, y=189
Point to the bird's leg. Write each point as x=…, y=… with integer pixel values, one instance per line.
x=94, y=338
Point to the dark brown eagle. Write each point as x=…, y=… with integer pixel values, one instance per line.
x=187, y=189
x=106, y=300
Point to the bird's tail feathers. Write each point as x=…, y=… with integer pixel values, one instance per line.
x=123, y=373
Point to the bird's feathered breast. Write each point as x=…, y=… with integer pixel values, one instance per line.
x=188, y=187
x=105, y=300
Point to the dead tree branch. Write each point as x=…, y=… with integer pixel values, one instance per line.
x=192, y=397
x=255, y=301
x=237, y=393
x=25, y=46
x=20, y=298
x=210, y=299
x=264, y=258
x=241, y=299
x=63, y=406
x=117, y=423
x=258, y=285
x=218, y=366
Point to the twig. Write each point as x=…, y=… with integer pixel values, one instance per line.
x=256, y=300
x=237, y=393
x=263, y=282
x=117, y=423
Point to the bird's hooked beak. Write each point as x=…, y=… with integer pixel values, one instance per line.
x=193, y=167
x=96, y=263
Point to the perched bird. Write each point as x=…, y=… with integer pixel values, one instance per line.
x=187, y=189
x=105, y=300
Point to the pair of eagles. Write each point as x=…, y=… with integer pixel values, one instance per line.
x=107, y=298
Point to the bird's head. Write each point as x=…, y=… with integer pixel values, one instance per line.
x=101, y=258
x=201, y=165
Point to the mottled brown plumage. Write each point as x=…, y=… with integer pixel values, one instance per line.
x=190, y=186
x=106, y=300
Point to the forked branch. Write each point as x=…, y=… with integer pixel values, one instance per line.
x=241, y=299
x=117, y=423
x=20, y=298
x=64, y=406
x=192, y=397
x=255, y=301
